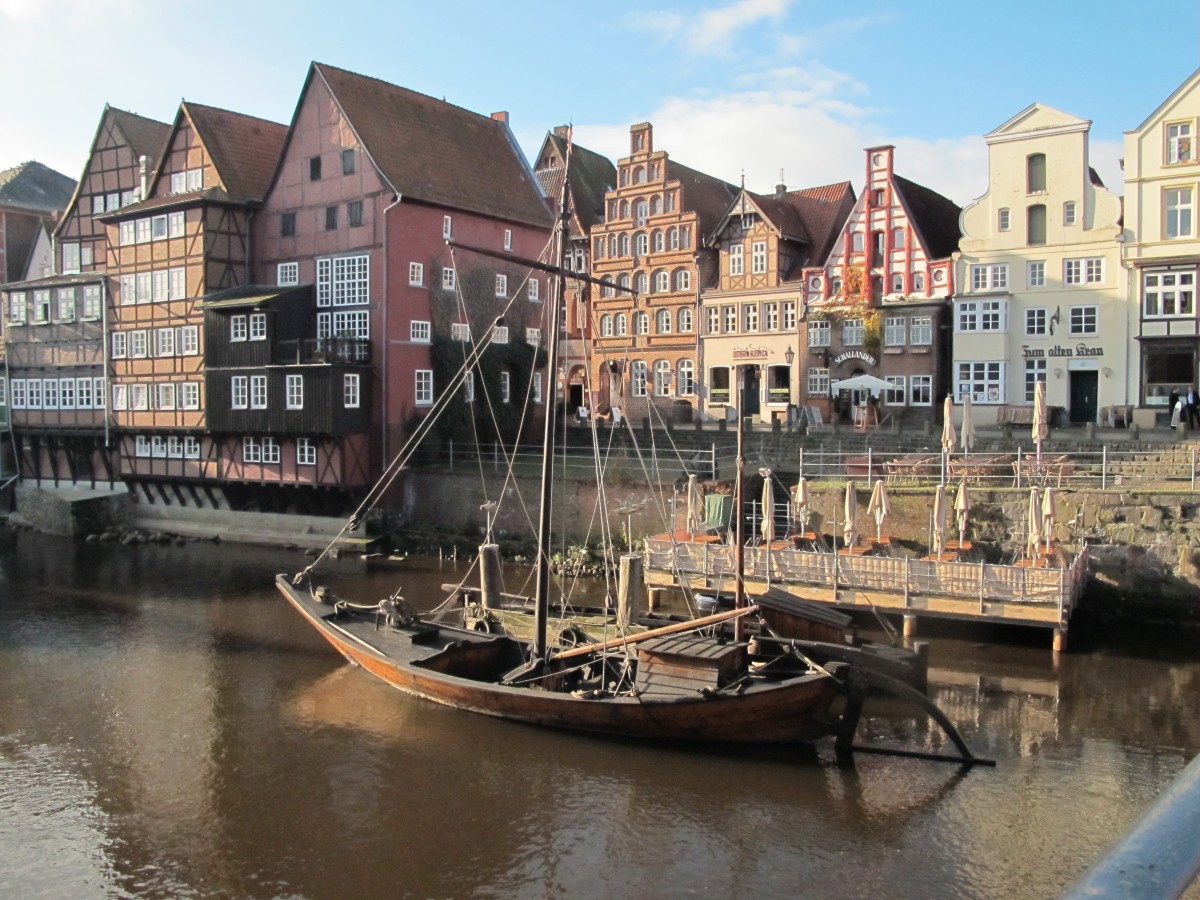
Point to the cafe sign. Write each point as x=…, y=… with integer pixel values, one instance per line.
x=854, y=354
x=751, y=352
x=1060, y=352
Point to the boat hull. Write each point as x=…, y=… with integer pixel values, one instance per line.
x=461, y=668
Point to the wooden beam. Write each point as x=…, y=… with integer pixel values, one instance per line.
x=674, y=628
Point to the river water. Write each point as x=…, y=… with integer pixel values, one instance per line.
x=169, y=728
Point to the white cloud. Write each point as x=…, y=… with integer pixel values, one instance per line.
x=712, y=31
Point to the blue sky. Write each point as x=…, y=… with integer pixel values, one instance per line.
x=732, y=86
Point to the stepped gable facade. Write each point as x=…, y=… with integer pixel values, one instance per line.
x=650, y=247
x=55, y=325
x=749, y=319
x=373, y=184
x=879, y=304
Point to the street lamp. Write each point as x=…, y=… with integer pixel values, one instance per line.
x=789, y=355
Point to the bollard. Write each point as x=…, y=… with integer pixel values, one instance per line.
x=489, y=575
x=629, y=588
x=910, y=625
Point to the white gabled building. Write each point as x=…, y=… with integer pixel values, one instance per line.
x=1040, y=288
x=1162, y=248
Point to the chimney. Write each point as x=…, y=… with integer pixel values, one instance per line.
x=501, y=116
x=142, y=165
x=781, y=188
x=562, y=130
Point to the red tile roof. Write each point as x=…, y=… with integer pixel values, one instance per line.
x=244, y=149
x=433, y=151
x=35, y=187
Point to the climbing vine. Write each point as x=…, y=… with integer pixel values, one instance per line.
x=854, y=301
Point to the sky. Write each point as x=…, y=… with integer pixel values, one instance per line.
x=735, y=88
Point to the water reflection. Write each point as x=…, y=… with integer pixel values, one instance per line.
x=168, y=727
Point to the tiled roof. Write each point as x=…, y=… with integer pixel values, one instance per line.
x=709, y=197
x=244, y=149
x=146, y=137
x=935, y=217
x=591, y=176
x=35, y=187
x=824, y=211
x=433, y=151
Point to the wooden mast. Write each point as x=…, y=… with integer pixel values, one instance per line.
x=739, y=583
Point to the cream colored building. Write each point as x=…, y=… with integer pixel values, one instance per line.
x=1041, y=292
x=1162, y=249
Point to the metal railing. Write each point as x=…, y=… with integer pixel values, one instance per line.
x=579, y=461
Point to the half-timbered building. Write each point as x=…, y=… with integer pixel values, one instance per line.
x=880, y=303
x=55, y=326
x=590, y=176
x=650, y=244
x=749, y=320
x=189, y=237
x=379, y=195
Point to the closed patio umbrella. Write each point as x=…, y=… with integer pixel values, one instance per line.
x=947, y=433
x=849, y=528
x=962, y=508
x=1041, y=425
x=800, y=503
x=939, y=520
x=1048, y=510
x=695, y=505
x=879, y=507
x=1033, y=524
x=967, y=432
x=767, y=526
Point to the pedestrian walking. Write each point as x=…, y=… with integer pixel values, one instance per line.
x=1193, y=408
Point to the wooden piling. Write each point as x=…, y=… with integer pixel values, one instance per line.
x=630, y=588
x=489, y=575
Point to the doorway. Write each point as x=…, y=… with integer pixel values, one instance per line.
x=1083, y=396
x=750, y=391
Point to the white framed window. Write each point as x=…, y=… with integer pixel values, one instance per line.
x=416, y=274
x=712, y=315
x=258, y=391
x=1179, y=142
x=1069, y=212
x=749, y=318
x=177, y=283
x=3, y=391
x=195, y=179
x=306, y=452
x=238, y=328
x=91, y=302
x=164, y=396
x=344, y=281
x=1168, y=294
x=983, y=382
x=139, y=396
x=127, y=233
x=189, y=340
x=758, y=257
x=258, y=326
x=460, y=331
x=41, y=307
x=637, y=378
x=1089, y=270
x=139, y=344
x=49, y=393
x=1177, y=203
x=820, y=334
x=920, y=390
x=499, y=334
x=34, y=386
x=239, y=392
x=174, y=446
x=683, y=280
x=663, y=321
x=818, y=381
x=533, y=337
x=66, y=393
x=505, y=387
x=981, y=315
x=507, y=238
x=622, y=321
x=896, y=394
x=158, y=447
x=191, y=447
x=1035, y=371
x=920, y=331
x=788, y=308
x=989, y=277
x=294, y=385
x=501, y=285
x=141, y=231
x=1035, y=273
x=1003, y=219
x=685, y=381
x=641, y=323
x=894, y=331
x=1037, y=322
x=70, y=258
x=158, y=285
x=164, y=342
x=537, y=387
x=854, y=332
x=66, y=304
x=736, y=259
x=178, y=182
x=447, y=279
x=145, y=287
x=447, y=227
x=251, y=450
x=141, y=445
x=176, y=224
x=533, y=291
x=424, y=387
x=189, y=395
x=420, y=332
x=662, y=378
x=158, y=227
x=85, y=396
x=685, y=320
x=1083, y=319
x=287, y=274
x=351, y=393
x=20, y=396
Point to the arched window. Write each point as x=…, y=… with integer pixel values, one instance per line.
x=662, y=281
x=685, y=384
x=643, y=283
x=599, y=248
x=856, y=242
x=637, y=378
x=624, y=245
x=664, y=321
x=641, y=243
x=673, y=238
x=683, y=280
x=685, y=238
x=897, y=283
x=662, y=378
x=613, y=246
x=685, y=320
x=653, y=171
x=624, y=176
x=641, y=323
x=606, y=326
x=639, y=175
x=641, y=209
x=1035, y=173
x=624, y=281
x=622, y=324
x=624, y=209
x=918, y=281
x=608, y=290
x=658, y=242
x=877, y=243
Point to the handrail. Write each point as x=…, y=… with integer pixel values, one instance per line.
x=1159, y=856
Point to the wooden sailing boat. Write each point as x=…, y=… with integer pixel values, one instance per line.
x=682, y=682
